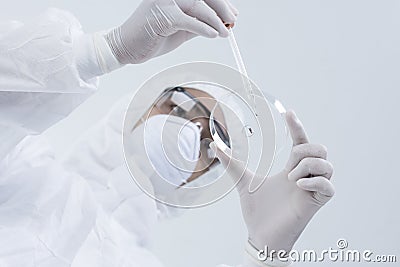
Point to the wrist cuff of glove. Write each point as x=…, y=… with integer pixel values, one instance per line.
x=260, y=258
x=105, y=57
x=118, y=48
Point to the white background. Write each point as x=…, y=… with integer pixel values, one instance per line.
x=336, y=63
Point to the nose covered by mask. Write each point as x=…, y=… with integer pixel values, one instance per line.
x=172, y=147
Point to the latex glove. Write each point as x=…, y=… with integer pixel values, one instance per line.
x=159, y=26
x=279, y=211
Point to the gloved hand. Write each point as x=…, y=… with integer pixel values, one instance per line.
x=159, y=26
x=277, y=213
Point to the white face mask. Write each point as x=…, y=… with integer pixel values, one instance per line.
x=172, y=145
x=168, y=148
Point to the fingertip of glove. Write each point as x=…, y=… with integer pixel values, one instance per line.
x=224, y=33
x=234, y=9
x=212, y=33
x=303, y=182
x=291, y=115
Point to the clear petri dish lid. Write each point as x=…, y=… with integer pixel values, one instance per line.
x=254, y=137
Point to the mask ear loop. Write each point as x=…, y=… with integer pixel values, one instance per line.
x=274, y=103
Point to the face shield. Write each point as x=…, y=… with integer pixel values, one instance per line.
x=167, y=140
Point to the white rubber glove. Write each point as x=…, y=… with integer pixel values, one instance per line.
x=159, y=26
x=279, y=211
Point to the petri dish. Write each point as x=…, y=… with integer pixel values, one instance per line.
x=252, y=135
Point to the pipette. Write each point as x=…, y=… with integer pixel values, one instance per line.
x=241, y=67
x=246, y=80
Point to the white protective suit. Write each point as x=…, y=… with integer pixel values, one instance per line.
x=82, y=211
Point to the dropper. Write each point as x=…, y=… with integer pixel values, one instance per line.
x=241, y=67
